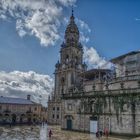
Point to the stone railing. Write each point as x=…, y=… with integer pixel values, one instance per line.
x=126, y=78
x=102, y=93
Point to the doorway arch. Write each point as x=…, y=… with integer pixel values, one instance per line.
x=93, y=124
x=14, y=117
x=69, y=122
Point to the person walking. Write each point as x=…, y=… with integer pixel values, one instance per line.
x=106, y=132
x=50, y=134
x=98, y=135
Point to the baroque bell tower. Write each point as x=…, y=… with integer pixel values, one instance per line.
x=68, y=69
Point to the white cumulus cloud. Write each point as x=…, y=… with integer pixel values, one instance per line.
x=84, y=30
x=94, y=60
x=20, y=84
x=84, y=38
x=90, y=56
x=41, y=18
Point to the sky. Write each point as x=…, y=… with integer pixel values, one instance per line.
x=31, y=33
x=114, y=30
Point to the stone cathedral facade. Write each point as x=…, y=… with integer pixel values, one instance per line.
x=91, y=100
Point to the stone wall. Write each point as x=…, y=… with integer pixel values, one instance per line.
x=119, y=113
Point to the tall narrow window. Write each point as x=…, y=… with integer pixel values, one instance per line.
x=76, y=60
x=62, y=90
x=67, y=59
x=62, y=80
x=72, y=78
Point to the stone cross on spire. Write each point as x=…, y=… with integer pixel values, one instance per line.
x=72, y=16
x=72, y=10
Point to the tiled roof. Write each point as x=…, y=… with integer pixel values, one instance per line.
x=9, y=100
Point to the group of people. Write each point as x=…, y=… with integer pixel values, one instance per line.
x=100, y=133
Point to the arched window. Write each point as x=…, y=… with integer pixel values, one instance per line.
x=72, y=78
x=76, y=59
x=62, y=80
x=67, y=58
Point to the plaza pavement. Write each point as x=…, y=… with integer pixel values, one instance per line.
x=59, y=134
x=41, y=133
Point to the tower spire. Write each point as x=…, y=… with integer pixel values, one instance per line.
x=72, y=11
x=72, y=15
x=72, y=32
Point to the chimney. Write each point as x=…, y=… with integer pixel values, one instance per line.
x=28, y=97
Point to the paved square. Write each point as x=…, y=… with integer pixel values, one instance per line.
x=41, y=133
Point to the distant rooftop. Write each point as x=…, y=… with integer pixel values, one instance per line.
x=9, y=100
x=124, y=55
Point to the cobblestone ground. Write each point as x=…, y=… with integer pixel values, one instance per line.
x=41, y=133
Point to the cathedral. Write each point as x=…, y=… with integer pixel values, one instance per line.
x=96, y=99
x=67, y=71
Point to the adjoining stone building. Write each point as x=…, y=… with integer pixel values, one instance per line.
x=112, y=103
x=19, y=111
x=91, y=100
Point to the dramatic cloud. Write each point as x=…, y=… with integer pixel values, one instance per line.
x=20, y=84
x=41, y=18
x=94, y=60
x=91, y=56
